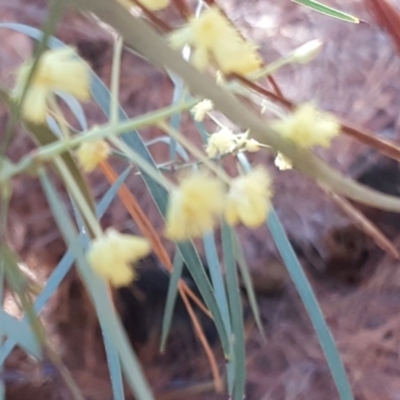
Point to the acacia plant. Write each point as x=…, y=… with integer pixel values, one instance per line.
x=218, y=75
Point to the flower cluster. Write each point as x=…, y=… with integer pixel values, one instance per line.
x=248, y=199
x=195, y=207
x=282, y=163
x=90, y=154
x=200, y=110
x=221, y=142
x=308, y=127
x=57, y=70
x=113, y=256
x=225, y=141
x=216, y=40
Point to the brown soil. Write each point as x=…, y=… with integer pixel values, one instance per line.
x=358, y=287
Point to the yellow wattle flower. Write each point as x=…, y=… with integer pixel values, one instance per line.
x=194, y=207
x=90, y=154
x=282, y=163
x=220, y=143
x=215, y=40
x=251, y=145
x=113, y=256
x=200, y=110
x=308, y=127
x=57, y=70
x=249, y=198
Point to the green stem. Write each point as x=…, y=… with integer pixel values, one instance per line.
x=48, y=152
x=76, y=193
x=115, y=72
x=59, y=116
x=137, y=159
x=5, y=195
x=194, y=150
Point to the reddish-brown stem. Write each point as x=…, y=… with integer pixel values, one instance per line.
x=386, y=147
x=365, y=224
x=275, y=86
x=265, y=92
x=388, y=17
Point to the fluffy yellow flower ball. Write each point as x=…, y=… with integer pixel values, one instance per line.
x=220, y=143
x=249, y=198
x=200, y=110
x=57, y=70
x=194, y=207
x=90, y=154
x=282, y=163
x=308, y=127
x=112, y=255
x=215, y=40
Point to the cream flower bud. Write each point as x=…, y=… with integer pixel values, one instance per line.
x=201, y=109
x=215, y=40
x=249, y=198
x=282, y=162
x=308, y=127
x=251, y=145
x=194, y=207
x=220, y=143
x=112, y=255
x=307, y=52
x=90, y=154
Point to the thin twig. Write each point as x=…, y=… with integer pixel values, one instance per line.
x=366, y=225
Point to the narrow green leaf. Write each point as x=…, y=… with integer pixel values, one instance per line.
x=308, y=298
x=180, y=150
x=2, y=339
x=76, y=109
x=312, y=306
x=175, y=120
x=217, y=279
x=171, y=298
x=331, y=12
x=21, y=332
x=2, y=387
x=112, y=192
x=247, y=281
x=98, y=292
x=114, y=365
x=197, y=271
x=19, y=285
x=235, y=307
x=64, y=266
